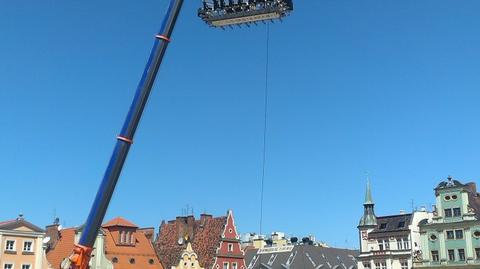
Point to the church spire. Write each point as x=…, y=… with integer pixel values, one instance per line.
x=368, y=194
x=368, y=218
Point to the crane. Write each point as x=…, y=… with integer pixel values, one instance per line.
x=218, y=14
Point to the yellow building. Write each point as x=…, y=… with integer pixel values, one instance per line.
x=188, y=259
x=21, y=245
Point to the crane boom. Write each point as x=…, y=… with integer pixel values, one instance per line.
x=81, y=254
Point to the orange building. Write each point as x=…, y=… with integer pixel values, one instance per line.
x=120, y=244
x=129, y=247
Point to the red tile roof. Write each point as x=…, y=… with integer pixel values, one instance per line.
x=141, y=251
x=204, y=234
x=6, y=222
x=61, y=247
x=120, y=222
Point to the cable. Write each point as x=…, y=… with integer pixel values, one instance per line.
x=265, y=127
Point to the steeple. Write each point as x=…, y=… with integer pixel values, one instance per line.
x=368, y=218
x=368, y=195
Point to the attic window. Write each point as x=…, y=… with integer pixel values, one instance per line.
x=132, y=261
x=115, y=260
x=383, y=226
x=151, y=261
x=401, y=224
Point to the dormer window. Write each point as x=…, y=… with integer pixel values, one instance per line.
x=383, y=226
x=401, y=224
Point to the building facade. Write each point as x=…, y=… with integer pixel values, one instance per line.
x=452, y=238
x=388, y=242
x=21, y=245
x=215, y=241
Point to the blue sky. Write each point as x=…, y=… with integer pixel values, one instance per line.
x=385, y=87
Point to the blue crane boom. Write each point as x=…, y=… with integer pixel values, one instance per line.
x=81, y=254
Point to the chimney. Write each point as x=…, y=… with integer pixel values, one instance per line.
x=204, y=218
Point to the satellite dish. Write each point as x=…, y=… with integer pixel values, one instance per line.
x=60, y=227
x=46, y=240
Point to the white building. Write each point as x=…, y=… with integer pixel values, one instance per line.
x=388, y=242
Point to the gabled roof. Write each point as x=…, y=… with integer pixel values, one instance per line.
x=204, y=234
x=395, y=223
x=17, y=223
x=119, y=222
x=303, y=256
x=141, y=251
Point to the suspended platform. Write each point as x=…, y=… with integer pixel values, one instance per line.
x=223, y=13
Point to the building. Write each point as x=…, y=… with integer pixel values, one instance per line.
x=188, y=259
x=129, y=247
x=214, y=241
x=387, y=242
x=277, y=239
x=21, y=245
x=300, y=256
x=61, y=242
x=452, y=238
x=120, y=244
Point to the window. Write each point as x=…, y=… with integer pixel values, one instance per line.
x=451, y=255
x=27, y=246
x=435, y=256
x=381, y=265
x=230, y=248
x=476, y=233
x=450, y=235
x=461, y=254
x=448, y=213
x=367, y=265
x=115, y=260
x=127, y=238
x=433, y=237
x=403, y=243
x=383, y=226
x=454, y=197
x=122, y=237
x=401, y=224
x=151, y=261
x=132, y=261
x=457, y=212
x=383, y=244
x=225, y=265
x=8, y=266
x=458, y=234
x=26, y=266
x=10, y=245
x=234, y=265
x=404, y=264
x=132, y=239
x=399, y=243
x=406, y=243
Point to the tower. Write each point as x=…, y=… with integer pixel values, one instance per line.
x=368, y=222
